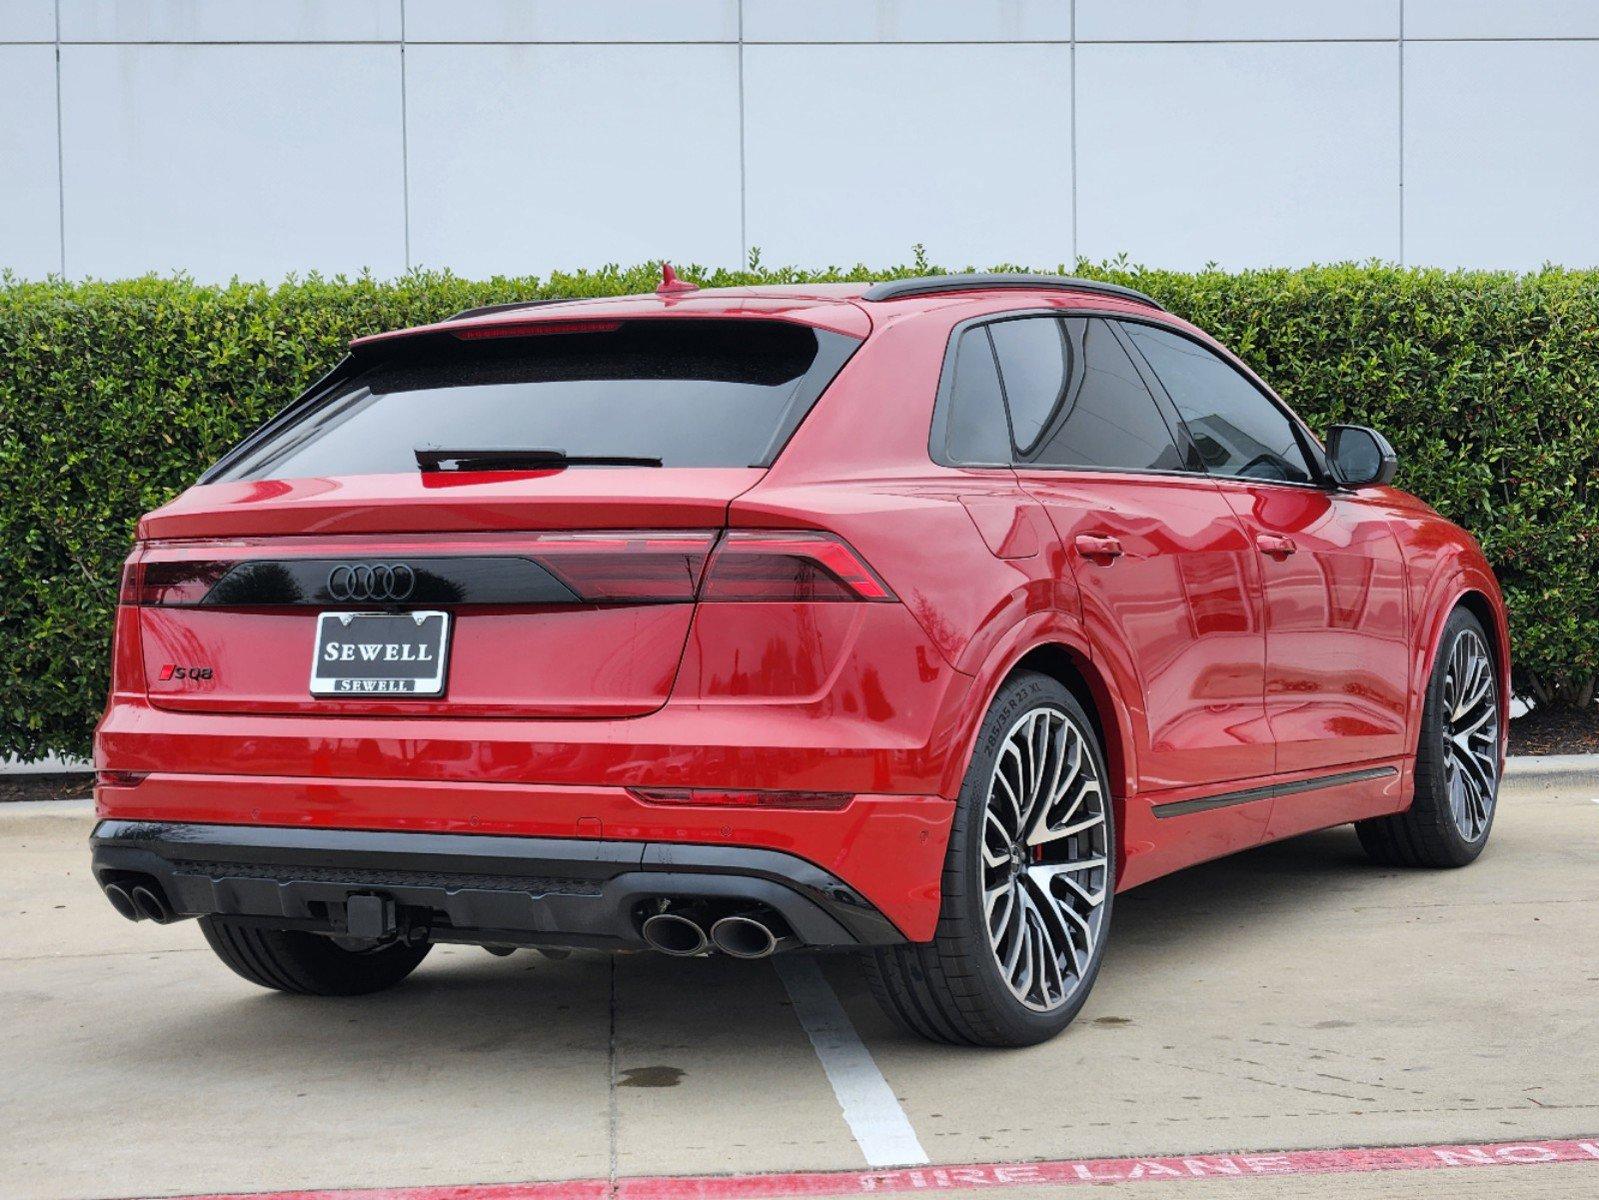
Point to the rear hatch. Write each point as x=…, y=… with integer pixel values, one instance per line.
x=551, y=490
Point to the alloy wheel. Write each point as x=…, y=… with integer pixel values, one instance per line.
x=1470, y=735
x=1046, y=866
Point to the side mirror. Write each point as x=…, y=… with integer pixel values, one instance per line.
x=1361, y=457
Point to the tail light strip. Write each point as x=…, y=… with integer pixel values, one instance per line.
x=627, y=568
x=515, y=329
x=558, y=568
x=798, y=566
x=172, y=583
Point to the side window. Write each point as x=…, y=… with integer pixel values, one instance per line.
x=1109, y=419
x=975, y=431
x=1034, y=362
x=1238, y=431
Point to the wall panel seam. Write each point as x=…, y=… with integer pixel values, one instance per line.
x=743, y=178
x=61, y=157
x=1401, y=132
x=405, y=144
x=1072, y=66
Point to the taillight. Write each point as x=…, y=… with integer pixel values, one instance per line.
x=634, y=568
x=743, y=798
x=122, y=779
x=611, y=567
x=792, y=566
x=177, y=582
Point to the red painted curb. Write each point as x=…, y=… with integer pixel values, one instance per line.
x=983, y=1176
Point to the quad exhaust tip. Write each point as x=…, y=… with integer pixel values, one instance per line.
x=671, y=933
x=150, y=906
x=744, y=937
x=122, y=902
x=754, y=933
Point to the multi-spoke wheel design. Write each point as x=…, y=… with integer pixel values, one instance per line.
x=1470, y=734
x=1028, y=882
x=1045, y=858
x=1457, y=758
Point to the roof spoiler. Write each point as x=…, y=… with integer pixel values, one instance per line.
x=932, y=285
x=505, y=307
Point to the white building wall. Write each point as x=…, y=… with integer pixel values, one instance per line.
x=235, y=137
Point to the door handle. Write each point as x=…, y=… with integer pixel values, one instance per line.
x=1274, y=545
x=1098, y=548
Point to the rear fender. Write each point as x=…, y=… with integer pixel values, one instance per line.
x=1058, y=633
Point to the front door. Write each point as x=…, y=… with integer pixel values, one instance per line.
x=1168, y=582
x=1337, y=658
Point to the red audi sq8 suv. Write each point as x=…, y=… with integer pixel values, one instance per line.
x=914, y=619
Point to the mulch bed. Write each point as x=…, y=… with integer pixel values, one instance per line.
x=64, y=785
x=1556, y=731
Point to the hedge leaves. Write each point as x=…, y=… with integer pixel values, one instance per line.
x=114, y=396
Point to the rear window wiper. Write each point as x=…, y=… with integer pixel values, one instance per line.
x=430, y=458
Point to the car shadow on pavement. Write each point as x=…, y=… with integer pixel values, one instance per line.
x=1322, y=868
x=517, y=1019
x=1222, y=907
x=466, y=1008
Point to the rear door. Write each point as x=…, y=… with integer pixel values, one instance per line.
x=1167, y=579
x=554, y=496
x=1337, y=653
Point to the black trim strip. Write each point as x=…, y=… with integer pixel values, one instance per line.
x=525, y=890
x=507, y=306
x=1180, y=808
x=289, y=412
x=932, y=285
x=480, y=579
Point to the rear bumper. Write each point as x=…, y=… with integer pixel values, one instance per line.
x=887, y=848
x=571, y=779
x=473, y=887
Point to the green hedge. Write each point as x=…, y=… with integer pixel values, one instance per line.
x=113, y=396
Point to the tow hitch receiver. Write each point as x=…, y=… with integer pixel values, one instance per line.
x=370, y=917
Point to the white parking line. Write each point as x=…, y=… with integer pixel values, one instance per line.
x=879, y=1125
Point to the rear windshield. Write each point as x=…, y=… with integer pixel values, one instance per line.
x=690, y=393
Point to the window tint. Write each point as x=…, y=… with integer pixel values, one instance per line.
x=690, y=393
x=1237, y=430
x=1034, y=362
x=976, y=431
x=1109, y=418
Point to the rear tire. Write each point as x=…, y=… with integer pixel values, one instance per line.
x=308, y=964
x=1457, y=760
x=1027, y=887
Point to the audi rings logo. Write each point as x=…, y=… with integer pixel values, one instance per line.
x=385, y=581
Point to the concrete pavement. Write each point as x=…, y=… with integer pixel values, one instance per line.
x=1292, y=997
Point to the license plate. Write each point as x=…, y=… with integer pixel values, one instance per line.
x=380, y=654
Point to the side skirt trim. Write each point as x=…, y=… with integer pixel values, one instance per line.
x=1179, y=808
